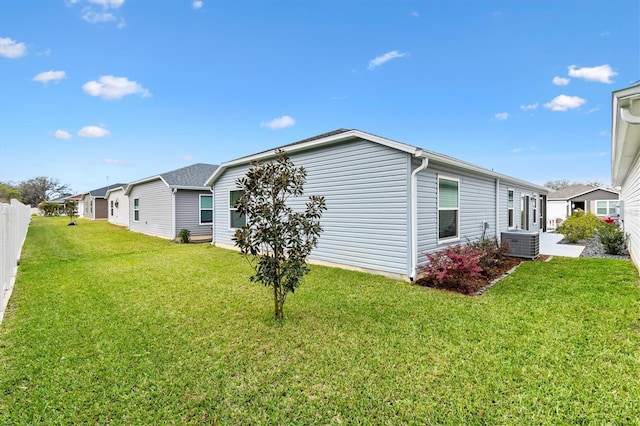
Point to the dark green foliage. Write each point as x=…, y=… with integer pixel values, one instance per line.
x=41, y=188
x=492, y=251
x=580, y=226
x=9, y=191
x=612, y=238
x=185, y=236
x=277, y=237
x=49, y=208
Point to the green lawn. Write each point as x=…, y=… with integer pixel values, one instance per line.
x=106, y=326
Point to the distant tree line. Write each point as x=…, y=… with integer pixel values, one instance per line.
x=563, y=183
x=33, y=191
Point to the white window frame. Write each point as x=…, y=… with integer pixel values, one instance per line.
x=534, y=209
x=511, y=209
x=457, y=236
x=610, y=209
x=231, y=208
x=136, y=209
x=200, y=209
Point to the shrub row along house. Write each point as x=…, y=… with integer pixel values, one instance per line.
x=388, y=203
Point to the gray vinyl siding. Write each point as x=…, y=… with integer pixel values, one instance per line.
x=477, y=205
x=630, y=210
x=365, y=186
x=188, y=213
x=156, y=209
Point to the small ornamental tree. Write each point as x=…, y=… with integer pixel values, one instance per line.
x=70, y=208
x=277, y=239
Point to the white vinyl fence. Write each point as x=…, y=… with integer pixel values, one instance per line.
x=14, y=223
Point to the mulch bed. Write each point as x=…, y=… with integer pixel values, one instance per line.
x=477, y=286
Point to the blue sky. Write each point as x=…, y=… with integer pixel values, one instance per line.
x=97, y=91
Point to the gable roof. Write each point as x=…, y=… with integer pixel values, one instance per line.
x=115, y=188
x=574, y=191
x=625, y=132
x=341, y=135
x=101, y=192
x=189, y=177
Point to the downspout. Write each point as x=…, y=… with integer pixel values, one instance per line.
x=173, y=213
x=213, y=214
x=498, y=209
x=414, y=212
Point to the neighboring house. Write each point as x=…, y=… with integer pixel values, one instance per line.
x=95, y=202
x=388, y=203
x=163, y=204
x=625, y=162
x=603, y=202
x=77, y=198
x=118, y=205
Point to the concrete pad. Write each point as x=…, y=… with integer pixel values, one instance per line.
x=550, y=247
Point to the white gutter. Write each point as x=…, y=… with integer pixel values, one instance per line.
x=628, y=116
x=414, y=212
x=213, y=219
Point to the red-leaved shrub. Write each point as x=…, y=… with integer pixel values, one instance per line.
x=453, y=268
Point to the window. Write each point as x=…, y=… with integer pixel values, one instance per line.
x=236, y=220
x=206, y=209
x=111, y=207
x=448, y=207
x=136, y=210
x=534, y=208
x=606, y=208
x=510, y=208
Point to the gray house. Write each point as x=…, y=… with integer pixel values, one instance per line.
x=388, y=203
x=602, y=202
x=95, y=202
x=163, y=204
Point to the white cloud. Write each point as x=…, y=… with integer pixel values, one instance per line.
x=414, y=14
x=110, y=87
x=604, y=154
x=114, y=162
x=61, y=134
x=601, y=73
x=561, y=81
x=565, y=103
x=605, y=34
x=501, y=116
x=113, y=4
x=592, y=110
x=186, y=157
x=516, y=150
x=196, y=4
x=529, y=107
x=279, y=123
x=12, y=49
x=376, y=62
x=47, y=76
x=93, y=17
x=93, y=132
x=533, y=148
x=44, y=53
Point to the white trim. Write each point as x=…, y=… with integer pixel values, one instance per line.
x=229, y=208
x=457, y=236
x=608, y=206
x=513, y=212
x=135, y=209
x=200, y=209
x=145, y=180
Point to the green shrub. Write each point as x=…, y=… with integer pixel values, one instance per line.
x=185, y=236
x=580, y=226
x=612, y=238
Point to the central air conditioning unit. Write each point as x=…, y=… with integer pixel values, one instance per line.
x=522, y=243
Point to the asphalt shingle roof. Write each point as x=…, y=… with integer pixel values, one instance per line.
x=101, y=192
x=572, y=191
x=193, y=175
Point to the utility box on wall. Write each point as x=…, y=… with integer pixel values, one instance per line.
x=522, y=243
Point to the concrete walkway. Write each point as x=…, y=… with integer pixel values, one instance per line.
x=549, y=246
